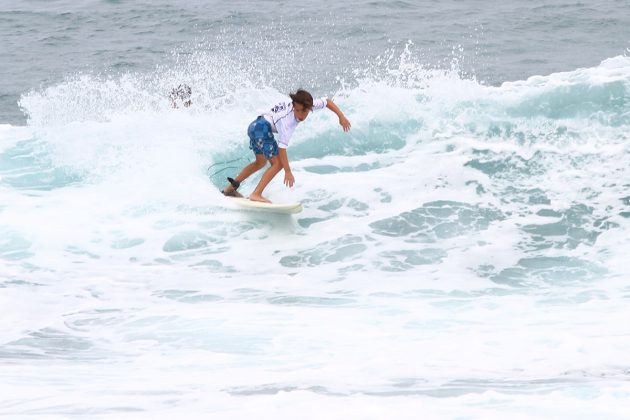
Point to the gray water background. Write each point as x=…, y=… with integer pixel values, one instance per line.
x=42, y=43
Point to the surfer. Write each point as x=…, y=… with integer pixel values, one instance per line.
x=181, y=96
x=282, y=119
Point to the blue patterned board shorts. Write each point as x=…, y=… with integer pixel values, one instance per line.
x=261, y=139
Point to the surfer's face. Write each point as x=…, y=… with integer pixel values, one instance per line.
x=300, y=111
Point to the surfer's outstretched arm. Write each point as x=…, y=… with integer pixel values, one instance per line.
x=343, y=121
x=289, y=179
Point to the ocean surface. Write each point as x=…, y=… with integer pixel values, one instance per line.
x=462, y=253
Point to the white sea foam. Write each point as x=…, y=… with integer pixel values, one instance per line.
x=462, y=250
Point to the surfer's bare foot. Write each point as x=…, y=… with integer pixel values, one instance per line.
x=231, y=192
x=230, y=189
x=258, y=197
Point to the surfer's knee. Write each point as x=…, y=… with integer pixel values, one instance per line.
x=276, y=165
x=260, y=162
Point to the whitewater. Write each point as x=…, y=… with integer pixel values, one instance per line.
x=462, y=252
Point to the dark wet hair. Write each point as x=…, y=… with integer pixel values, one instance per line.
x=303, y=98
x=183, y=93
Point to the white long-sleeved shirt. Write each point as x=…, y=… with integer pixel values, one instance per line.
x=283, y=121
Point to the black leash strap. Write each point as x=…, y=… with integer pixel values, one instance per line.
x=234, y=183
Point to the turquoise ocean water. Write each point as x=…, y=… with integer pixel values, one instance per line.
x=461, y=251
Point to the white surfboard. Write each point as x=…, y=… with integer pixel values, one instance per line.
x=283, y=208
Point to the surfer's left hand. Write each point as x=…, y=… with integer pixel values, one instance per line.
x=289, y=180
x=343, y=121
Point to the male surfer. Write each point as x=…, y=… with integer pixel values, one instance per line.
x=283, y=118
x=181, y=96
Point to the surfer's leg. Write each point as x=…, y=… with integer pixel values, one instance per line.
x=254, y=166
x=260, y=137
x=272, y=171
